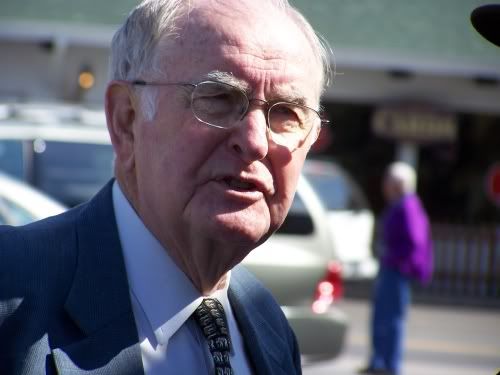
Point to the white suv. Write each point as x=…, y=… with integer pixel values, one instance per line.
x=297, y=266
x=350, y=219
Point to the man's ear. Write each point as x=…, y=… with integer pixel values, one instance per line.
x=121, y=113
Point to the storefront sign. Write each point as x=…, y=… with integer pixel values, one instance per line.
x=414, y=123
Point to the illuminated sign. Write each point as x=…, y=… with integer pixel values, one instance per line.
x=414, y=123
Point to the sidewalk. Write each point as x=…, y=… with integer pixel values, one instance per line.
x=362, y=291
x=440, y=341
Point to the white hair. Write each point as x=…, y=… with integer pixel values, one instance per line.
x=133, y=48
x=404, y=174
x=134, y=52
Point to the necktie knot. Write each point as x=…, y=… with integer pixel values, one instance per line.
x=211, y=318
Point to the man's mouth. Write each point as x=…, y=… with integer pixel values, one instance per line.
x=237, y=184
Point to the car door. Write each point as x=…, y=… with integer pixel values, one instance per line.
x=292, y=260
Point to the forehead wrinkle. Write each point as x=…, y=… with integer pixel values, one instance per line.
x=282, y=85
x=263, y=57
x=246, y=59
x=207, y=24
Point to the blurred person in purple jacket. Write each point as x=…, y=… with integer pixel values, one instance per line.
x=407, y=256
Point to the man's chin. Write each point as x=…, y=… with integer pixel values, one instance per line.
x=240, y=230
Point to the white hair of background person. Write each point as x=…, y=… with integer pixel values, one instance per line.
x=404, y=174
x=134, y=54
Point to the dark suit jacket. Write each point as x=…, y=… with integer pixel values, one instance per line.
x=65, y=305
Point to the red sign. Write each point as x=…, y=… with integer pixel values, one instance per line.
x=493, y=184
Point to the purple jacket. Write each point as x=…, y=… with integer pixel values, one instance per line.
x=407, y=239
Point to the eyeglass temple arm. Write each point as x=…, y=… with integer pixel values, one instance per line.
x=324, y=122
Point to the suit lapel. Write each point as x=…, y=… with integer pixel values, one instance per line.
x=264, y=345
x=99, y=301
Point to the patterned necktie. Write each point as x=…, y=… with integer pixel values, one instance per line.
x=212, y=320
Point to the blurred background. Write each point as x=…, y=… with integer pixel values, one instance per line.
x=414, y=82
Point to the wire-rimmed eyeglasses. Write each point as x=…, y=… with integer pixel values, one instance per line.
x=223, y=106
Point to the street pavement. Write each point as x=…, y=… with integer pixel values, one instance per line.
x=440, y=340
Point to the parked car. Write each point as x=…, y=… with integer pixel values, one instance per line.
x=64, y=151
x=295, y=264
x=21, y=204
x=71, y=159
x=350, y=219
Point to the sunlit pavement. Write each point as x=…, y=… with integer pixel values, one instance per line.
x=440, y=341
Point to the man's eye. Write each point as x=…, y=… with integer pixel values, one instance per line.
x=284, y=111
x=218, y=103
x=285, y=118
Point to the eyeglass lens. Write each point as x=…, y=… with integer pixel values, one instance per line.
x=223, y=105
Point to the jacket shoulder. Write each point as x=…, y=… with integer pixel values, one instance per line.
x=262, y=319
x=256, y=293
x=38, y=254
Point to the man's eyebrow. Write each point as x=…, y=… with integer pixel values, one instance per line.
x=229, y=78
x=287, y=94
x=289, y=97
x=279, y=94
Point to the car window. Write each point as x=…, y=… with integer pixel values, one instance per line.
x=336, y=192
x=298, y=221
x=72, y=172
x=13, y=214
x=11, y=157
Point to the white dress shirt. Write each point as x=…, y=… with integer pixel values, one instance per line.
x=163, y=299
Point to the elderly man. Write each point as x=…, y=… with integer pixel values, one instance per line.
x=212, y=109
x=407, y=256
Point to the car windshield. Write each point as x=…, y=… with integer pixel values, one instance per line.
x=336, y=192
x=73, y=172
x=11, y=157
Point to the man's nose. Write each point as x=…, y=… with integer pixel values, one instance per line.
x=250, y=138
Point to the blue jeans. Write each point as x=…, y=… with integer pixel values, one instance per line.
x=391, y=298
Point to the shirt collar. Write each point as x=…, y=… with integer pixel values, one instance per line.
x=165, y=294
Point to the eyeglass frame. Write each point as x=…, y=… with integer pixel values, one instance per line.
x=264, y=104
